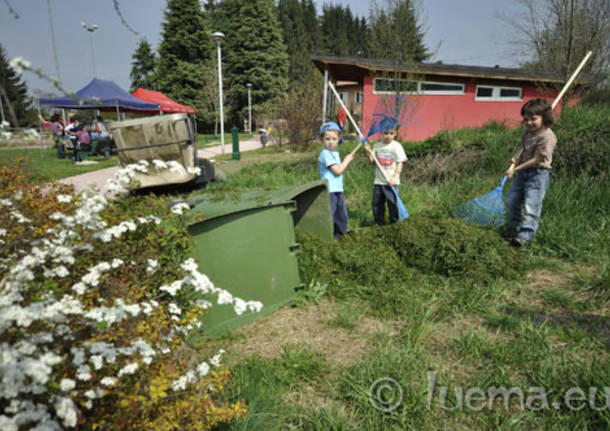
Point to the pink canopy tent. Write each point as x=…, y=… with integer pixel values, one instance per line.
x=165, y=103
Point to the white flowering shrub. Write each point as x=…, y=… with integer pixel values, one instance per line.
x=96, y=302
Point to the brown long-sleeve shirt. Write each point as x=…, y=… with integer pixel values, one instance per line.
x=540, y=143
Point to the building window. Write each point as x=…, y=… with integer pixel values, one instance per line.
x=441, y=88
x=386, y=86
x=344, y=97
x=495, y=93
x=359, y=97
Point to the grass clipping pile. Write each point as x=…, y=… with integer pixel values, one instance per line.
x=408, y=256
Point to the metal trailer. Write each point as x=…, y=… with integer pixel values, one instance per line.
x=166, y=138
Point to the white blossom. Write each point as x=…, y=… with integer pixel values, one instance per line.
x=215, y=360
x=203, y=369
x=152, y=265
x=180, y=208
x=128, y=369
x=108, y=381
x=194, y=171
x=65, y=409
x=67, y=384
x=19, y=64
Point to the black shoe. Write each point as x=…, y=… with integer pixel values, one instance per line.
x=508, y=235
x=519, y=242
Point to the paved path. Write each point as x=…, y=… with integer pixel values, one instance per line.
x=96, y=180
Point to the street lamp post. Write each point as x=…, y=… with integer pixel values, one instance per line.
x=90, y=29
x=2, y=112
x=249, y=85
x=218, y=37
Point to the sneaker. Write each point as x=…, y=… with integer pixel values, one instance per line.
x=508, y=235
x=519, y=242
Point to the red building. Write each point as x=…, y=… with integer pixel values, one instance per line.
x=439, y=96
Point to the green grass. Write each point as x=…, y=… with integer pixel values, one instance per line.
x=462, y=303
x=43, y=165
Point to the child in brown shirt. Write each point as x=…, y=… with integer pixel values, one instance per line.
x=531, y=166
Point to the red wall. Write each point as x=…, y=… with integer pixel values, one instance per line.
x=429, y=114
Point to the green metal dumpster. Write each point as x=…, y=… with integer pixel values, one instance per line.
x=246, y=245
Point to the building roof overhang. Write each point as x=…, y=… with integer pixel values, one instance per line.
x=356, y=68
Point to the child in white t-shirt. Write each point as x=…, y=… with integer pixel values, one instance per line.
x=391, y=157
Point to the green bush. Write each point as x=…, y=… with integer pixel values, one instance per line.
x=583, y=141
x=95, y=303
x=596, y=97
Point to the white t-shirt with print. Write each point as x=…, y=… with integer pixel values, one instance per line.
x=388, y=155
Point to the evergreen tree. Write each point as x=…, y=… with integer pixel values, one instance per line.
x=254, y=52
x=143, y=67
x=296, y=39
x=395, y=33
x=312, y=25
x=344, y=34
x=16, y=104
x=185, y=52
x=335, y=24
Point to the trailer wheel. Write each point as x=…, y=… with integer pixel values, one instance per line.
x=207, y=172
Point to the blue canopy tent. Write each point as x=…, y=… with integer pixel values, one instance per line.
x=105, y=96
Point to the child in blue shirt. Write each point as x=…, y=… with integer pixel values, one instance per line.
x=331, y=170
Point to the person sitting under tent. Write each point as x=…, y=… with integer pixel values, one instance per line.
x=70, y=130
x=104, y=138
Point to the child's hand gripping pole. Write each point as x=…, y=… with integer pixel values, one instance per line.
x=403, y=213
x=558, y=98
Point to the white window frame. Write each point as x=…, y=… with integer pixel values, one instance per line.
x=359, y=97
x=425, y=92
x=495, y=94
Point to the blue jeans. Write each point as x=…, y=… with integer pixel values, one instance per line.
x=339, y=214
x=524, y=201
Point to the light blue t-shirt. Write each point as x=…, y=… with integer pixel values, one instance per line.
x=326, y=160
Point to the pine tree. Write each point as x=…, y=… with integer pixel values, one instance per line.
x=253, y=51
x=395, y=33
x=16, y=103
x=336, y=24
x=297, y=41
x=143, y=67
x=185, y=52
x=312, y=25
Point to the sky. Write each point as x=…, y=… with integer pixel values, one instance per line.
x=468, y=32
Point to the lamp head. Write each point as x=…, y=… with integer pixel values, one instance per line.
x=218, y=36
x=249, y=85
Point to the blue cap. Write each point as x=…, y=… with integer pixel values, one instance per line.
x=331, y=125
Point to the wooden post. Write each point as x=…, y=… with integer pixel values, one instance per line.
x=325, y=97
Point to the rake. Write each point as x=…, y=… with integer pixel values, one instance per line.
x=380, y=123
x=487, y=209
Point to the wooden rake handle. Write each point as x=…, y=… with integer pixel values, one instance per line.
x=332, y=87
